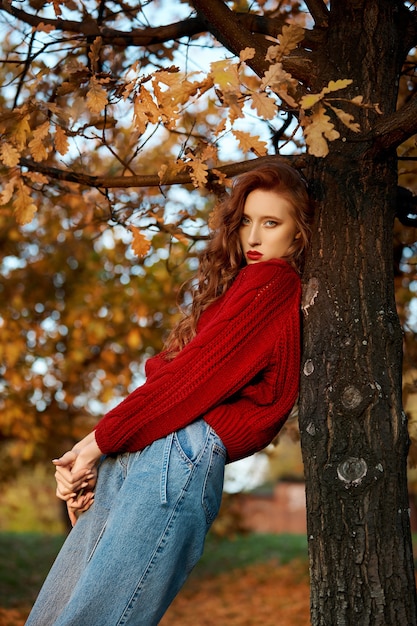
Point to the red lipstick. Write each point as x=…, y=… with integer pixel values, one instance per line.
x=254, y=255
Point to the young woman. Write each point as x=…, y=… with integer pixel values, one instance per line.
x=220, y=391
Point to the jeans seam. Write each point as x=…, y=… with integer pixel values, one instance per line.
x=156, y=552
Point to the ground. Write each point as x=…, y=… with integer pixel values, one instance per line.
x=263, y=593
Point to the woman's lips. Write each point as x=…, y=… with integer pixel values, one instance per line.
x=254, y=255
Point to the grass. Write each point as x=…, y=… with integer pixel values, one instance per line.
x=25, y=559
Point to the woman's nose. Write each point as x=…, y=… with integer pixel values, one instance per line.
x=254, y=237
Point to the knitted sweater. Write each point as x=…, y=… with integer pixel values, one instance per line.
x=240, y=372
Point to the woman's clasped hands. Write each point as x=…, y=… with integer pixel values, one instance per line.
x=76, y=475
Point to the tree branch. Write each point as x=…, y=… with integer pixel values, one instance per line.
x=394, y=129
x=153, y=180
x=246, y=26
x=319, y=12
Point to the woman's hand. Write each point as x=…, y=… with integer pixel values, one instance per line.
x=76, y=476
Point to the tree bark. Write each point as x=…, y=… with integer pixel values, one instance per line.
x=353, y=429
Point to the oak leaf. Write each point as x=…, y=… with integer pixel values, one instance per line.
x=346, y=118
x=307, y=102
x=198, y=171
x=8, y=190
x=277, y=79
x=37, y=147
x=247, y=54
x=248, y=143
x=144, y=110
x=61, y=140
x=22, y=131
x=94, y=54
x=23, y=204
x=318, y=128
x=96, y=96
x=225, y=74
x=140, y=244
x=289, y=39
x=9, y=155
x=263, y=105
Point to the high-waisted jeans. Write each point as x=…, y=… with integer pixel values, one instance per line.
x=129, y=554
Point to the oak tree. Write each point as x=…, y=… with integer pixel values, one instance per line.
x=111, y=111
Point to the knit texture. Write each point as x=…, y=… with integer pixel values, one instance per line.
x=240, y=372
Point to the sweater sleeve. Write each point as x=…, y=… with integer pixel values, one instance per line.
x=220, y=360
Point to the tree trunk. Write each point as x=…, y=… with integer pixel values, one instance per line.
x=353, y=429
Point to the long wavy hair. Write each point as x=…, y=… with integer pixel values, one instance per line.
x=222, y=258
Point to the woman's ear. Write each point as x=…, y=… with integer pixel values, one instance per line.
x=298, y=235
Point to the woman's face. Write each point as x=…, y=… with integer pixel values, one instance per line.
x=268, y=228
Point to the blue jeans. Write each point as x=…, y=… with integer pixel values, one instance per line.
x=130, y=553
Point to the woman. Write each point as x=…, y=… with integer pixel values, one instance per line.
x=220, y=391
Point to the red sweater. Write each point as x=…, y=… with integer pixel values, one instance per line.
x=240, y=372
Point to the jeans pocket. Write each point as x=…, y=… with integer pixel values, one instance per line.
x=191, y=441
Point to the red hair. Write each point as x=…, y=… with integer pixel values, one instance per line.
x=222, y=259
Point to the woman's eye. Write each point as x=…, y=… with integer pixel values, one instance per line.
x=271, y=223
x=245, y=221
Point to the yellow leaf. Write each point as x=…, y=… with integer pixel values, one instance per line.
x=37, y=177
x=37, y=147
x=22, y=131
x=140, y=245
x=198, y=172
x=307, y=102
x=246, y=54
x=23, y=204
x=9, y=155
x=346, y=118
x=264, y=105
x=96, y=96
x=61, y=140
x=335, y=85
x=225, y=74
x=248, y=143
x=144, y=110
x=318, y=128
x=8, y=190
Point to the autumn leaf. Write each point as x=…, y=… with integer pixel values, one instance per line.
x=96, y=96
x=144, y=110
x=22, y=131
x=9, y=155
x=225, y=74
x=8, y=190
x=264, y=105
x=248, y=143
x=307, y=102
x=37, y=147
x=247, y=54
x=140, y=244
x=277, y=79
x=289, y=39
x=36, y=177
x=346, y=118
x=318, y=128
x=61, y=140
x=198, y=171
x=23, y=204
x=94, y=54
